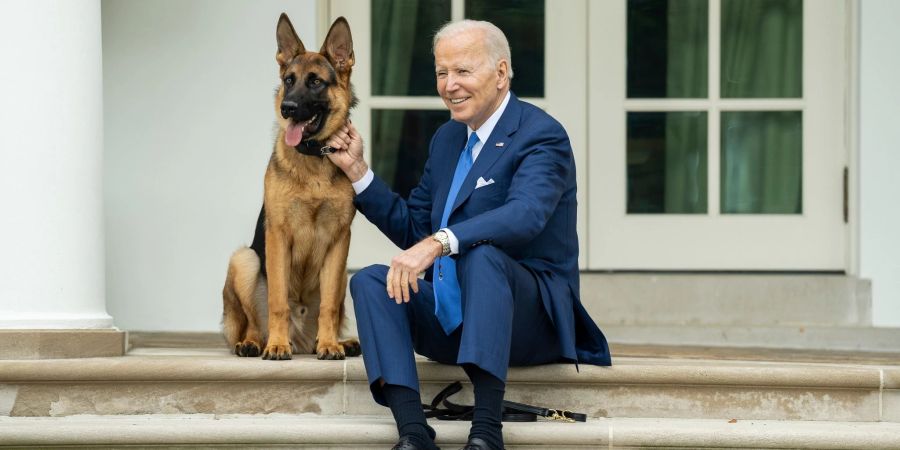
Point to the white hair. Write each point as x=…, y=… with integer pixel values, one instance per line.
x=494, y=40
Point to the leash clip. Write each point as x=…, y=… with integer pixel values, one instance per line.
x=560, y=415
x=325, y=150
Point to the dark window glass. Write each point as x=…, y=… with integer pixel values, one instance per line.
x=666, y=162
x=402, y=30
x=400, y=141
x=762, y=48
x=762, y=162
x=668, y=48
x=522, y=21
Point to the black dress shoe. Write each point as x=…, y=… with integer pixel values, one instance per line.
x=405, y=443
x=476, y=444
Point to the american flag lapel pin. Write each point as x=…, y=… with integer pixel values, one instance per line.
x=499, y=144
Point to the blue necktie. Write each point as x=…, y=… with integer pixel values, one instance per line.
x=447, y=306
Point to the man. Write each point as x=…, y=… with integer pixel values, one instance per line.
x=493, y=220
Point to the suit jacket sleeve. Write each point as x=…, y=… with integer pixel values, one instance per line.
x=544, y=167
x=404, y=222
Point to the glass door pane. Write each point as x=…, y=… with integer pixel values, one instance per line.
x=762, y=162
x=401, y=43
x=762, y=49
x=522, y=21
x=668, y=48
x=667, y=162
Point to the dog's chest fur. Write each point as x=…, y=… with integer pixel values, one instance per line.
x=316, y=200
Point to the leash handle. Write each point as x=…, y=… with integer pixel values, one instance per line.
x=512, y=411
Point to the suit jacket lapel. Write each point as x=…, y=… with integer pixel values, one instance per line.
x=490, y=153
x=445, y=166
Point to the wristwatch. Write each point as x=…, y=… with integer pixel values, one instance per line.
x=444, y=240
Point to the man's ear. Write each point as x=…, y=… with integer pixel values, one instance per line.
x=289, y=44
x=502, y=73
x=338, y=46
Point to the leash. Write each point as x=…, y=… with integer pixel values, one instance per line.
x=512, y=411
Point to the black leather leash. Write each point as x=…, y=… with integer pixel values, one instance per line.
x=512, y=411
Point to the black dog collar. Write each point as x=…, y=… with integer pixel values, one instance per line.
x=313, y=148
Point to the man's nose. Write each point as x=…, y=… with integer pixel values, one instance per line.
x=288, y=108
x=451, y=83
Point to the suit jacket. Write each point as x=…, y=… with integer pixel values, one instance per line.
x=529, y=212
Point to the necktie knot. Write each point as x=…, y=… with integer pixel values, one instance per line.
x=473, y=139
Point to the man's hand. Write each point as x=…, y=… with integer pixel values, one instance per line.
x=348, y=154
x=406, y=267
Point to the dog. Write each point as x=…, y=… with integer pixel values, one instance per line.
x=285, y=293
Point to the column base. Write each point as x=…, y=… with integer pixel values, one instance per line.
x=61, y=344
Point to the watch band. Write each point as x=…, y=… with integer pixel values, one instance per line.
x=444, y=240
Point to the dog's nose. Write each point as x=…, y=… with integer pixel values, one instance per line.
x=288, y=108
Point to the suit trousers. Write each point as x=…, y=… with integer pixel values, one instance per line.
x=504, y=322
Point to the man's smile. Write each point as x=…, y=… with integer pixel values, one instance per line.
x=457, y=101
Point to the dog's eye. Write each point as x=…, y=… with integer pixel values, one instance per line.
x=289, y=81
x=316, y=82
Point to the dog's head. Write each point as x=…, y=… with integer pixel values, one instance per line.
x=315, y=95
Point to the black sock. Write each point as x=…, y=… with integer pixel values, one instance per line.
x=406, y=406
x=488, y=411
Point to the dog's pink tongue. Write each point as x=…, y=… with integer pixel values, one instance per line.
x=293, y=134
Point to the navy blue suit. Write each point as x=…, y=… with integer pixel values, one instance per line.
x=517, y=261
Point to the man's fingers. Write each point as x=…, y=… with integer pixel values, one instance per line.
x=389, y=284
x=415, y=284
x=404, y=285
x=398, y=291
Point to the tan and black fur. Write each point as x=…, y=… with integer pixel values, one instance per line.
x=285, y=294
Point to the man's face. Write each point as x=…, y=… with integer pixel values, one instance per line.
x=471, y=87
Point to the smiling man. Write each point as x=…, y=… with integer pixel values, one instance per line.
x=492, y=223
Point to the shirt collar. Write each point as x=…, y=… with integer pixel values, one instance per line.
x=484, y=132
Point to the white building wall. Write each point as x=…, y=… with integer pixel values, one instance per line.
x=189, y=122
x=880, y=156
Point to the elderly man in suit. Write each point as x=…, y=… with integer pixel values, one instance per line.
x=492, y=223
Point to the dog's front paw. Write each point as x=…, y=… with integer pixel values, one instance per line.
x=351, y=347
x=277, y=352
x=332, y=351
x=246, y=348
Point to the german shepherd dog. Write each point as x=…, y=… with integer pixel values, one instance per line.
x=285, y=293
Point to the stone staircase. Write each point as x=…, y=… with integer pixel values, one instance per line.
x=187, y=391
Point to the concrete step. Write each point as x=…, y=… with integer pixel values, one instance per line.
x=154, y=380
x=361, y=432
x=833, y=338
x=727, y=299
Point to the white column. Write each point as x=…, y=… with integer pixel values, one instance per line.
x=51, y=155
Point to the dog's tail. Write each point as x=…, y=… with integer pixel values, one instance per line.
x=240, y=283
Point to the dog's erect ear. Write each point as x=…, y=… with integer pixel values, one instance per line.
x=338, y=46
x=289, y=44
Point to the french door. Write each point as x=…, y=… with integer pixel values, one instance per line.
x=717, y=134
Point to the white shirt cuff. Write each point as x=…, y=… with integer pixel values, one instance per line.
x=454, y=242
x=364, y=182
